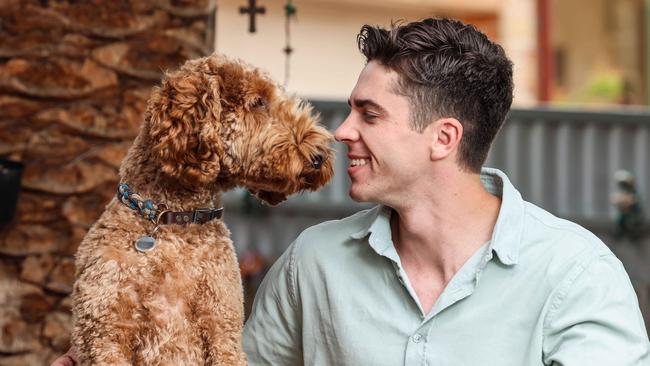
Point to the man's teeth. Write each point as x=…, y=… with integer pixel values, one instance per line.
x=355, y=162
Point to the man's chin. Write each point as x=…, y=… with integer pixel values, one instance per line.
x=360, y=197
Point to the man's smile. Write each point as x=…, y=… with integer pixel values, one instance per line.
x=357, y=162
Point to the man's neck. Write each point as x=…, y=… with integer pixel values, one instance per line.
x=439, y=233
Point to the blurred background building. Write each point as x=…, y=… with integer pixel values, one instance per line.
x=325, y=62
x=599, y=52
x=565, y=52
x=75, y=76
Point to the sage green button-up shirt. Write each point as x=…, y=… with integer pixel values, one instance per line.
x=543, y=291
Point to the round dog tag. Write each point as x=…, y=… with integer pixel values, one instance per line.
x=145, y=244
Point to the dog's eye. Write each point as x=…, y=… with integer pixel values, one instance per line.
x=258, y=103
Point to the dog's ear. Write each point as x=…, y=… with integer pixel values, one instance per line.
x=184, y=116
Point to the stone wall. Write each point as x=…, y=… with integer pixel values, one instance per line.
x=74, y=80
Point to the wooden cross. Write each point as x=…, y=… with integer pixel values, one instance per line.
x=251, y=10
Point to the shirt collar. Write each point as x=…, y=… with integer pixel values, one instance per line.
x=509, y=227
x=505, y=237
x=377, y=224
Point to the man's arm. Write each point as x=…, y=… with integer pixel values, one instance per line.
x=595, y=319
x=273, y=332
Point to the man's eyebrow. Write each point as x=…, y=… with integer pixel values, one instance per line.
x=363, y=103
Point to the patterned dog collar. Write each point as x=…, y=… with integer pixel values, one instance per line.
x=159, y=214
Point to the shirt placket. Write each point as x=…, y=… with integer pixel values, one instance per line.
x=416, y=342
x=420, y=346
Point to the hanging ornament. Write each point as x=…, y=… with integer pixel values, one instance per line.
x=290, y=13
x=252, y=10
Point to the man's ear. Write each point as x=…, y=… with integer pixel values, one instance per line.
x=184, y=117
x=446, y=134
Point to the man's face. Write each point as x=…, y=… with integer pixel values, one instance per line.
x=387, y=158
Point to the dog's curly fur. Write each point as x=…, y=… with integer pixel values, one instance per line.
x=214, y=124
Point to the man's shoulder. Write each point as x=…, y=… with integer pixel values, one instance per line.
x=557, y=228
x=329, y=237
x=584, y=290
x=338, y=230
x=563, y=244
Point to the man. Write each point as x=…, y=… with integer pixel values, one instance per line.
x=452, y=267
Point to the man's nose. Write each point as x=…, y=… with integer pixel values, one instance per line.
x=345, y=132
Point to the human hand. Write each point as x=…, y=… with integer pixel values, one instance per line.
x=68, y=359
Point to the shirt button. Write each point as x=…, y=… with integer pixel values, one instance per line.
x=417, y=338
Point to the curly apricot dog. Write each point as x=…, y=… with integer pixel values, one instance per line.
x=173, y=295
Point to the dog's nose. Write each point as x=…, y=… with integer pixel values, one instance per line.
x=318, y=161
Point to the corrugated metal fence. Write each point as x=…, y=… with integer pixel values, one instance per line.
x=565, y=160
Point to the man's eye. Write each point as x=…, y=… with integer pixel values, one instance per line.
x=369, y=116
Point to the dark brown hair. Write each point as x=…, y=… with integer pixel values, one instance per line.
x=447, y=69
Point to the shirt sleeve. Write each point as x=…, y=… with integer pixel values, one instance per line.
x=272, y=333
x=594, y=319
